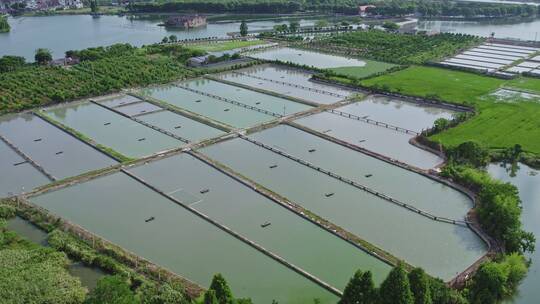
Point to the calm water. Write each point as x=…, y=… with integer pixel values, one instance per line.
x=309, y=58
x=397, y=112
x=116, y=207
x=62, y=33
x=113, y=130
x=435, y=198
x=255, y=99
x=58, y=152
x=441, y=249
x=300, y=93
x=209, y=107
x=88, y=275
x=378, y=139
x=528, y=182
x=17, y=177
x=244, y=210
x=527, y=30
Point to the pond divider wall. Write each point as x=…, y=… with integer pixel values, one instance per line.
x=238, y=236
x=291, y=85
x=191, y=115
x=142, y=122
x=302, y=212
x=234, y=102
x=104, y=246
x=373, y=122
x=28, y=159
x=357, y=185
x=263, y=91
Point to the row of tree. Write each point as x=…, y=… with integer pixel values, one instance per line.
x=4, y=24
x=451, y=9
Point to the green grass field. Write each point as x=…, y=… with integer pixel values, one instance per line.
x=371, y=67
x=497, y=125
x=225, y=46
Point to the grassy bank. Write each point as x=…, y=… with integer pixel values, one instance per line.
x=498, y=124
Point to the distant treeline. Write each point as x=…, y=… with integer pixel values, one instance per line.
x=4, y=25
x=387, y=8
x=452, y=9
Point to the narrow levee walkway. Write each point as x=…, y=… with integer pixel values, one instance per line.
x=234, y=102
x=373, y=122
x=28, y=159
x=238, y=236
x=291, y=85
x=142, y=122
x=359, y=186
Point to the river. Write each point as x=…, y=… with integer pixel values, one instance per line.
x=523, y=29
x=62, y=33
x=528, y=182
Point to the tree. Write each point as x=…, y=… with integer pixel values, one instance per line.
x=488, y=284
x=94, y=8
x=390, y=26
x=43, y=56
x=321, y=23
x=210, y=297
x=11, y=63
x=294, y=26
x=281, y=28
x=396, y=289
x=223, y=292
x=165, y=39
x=441, y=124
x=243, y=28
x=471, y=153
x=360, y=290
x=420, y=288
x=112, y=290
x=173, y=38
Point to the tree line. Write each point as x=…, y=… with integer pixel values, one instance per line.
x=4, y=24
x=451, y=9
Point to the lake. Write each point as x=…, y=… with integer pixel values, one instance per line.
x=62, y=33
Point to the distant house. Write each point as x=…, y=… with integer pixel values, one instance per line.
x=197, y=61
x=363, y=10
x=186, y=21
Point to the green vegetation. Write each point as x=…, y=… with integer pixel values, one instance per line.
x=452, y=9
x=36, y=85
x=225, y=46
x=243, y=28
x=402, y=49
x=43, y=56
x=497, y=125
x=4, y=24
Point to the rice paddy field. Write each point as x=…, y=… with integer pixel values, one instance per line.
x=235, y=172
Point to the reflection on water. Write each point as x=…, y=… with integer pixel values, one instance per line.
x=528, y=182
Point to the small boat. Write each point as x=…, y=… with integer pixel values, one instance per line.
x=141, y=139
x=59, y=152
x=204, y=191
x=36, y=140
x=177, y=127
x=368, y=175
x=149, y=219
x=258, y=102
x=227, y=110
x=273, y=166
x=20, y=163
x=362, y=140
x=266, y=224
x=329, y=194
x=311, y=150
x=107, y=123
x=198, y=100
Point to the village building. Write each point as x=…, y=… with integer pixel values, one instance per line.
x=363, y=10
x=186, y=21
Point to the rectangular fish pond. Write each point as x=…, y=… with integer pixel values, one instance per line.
x=260, y=219
x=283, y=87
x=379, y=139
x=307, y=58
x=397, y=112
x=210, y=108
x=59, y=153
x=442, y=249
x=112, y=130
x=118, y=208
